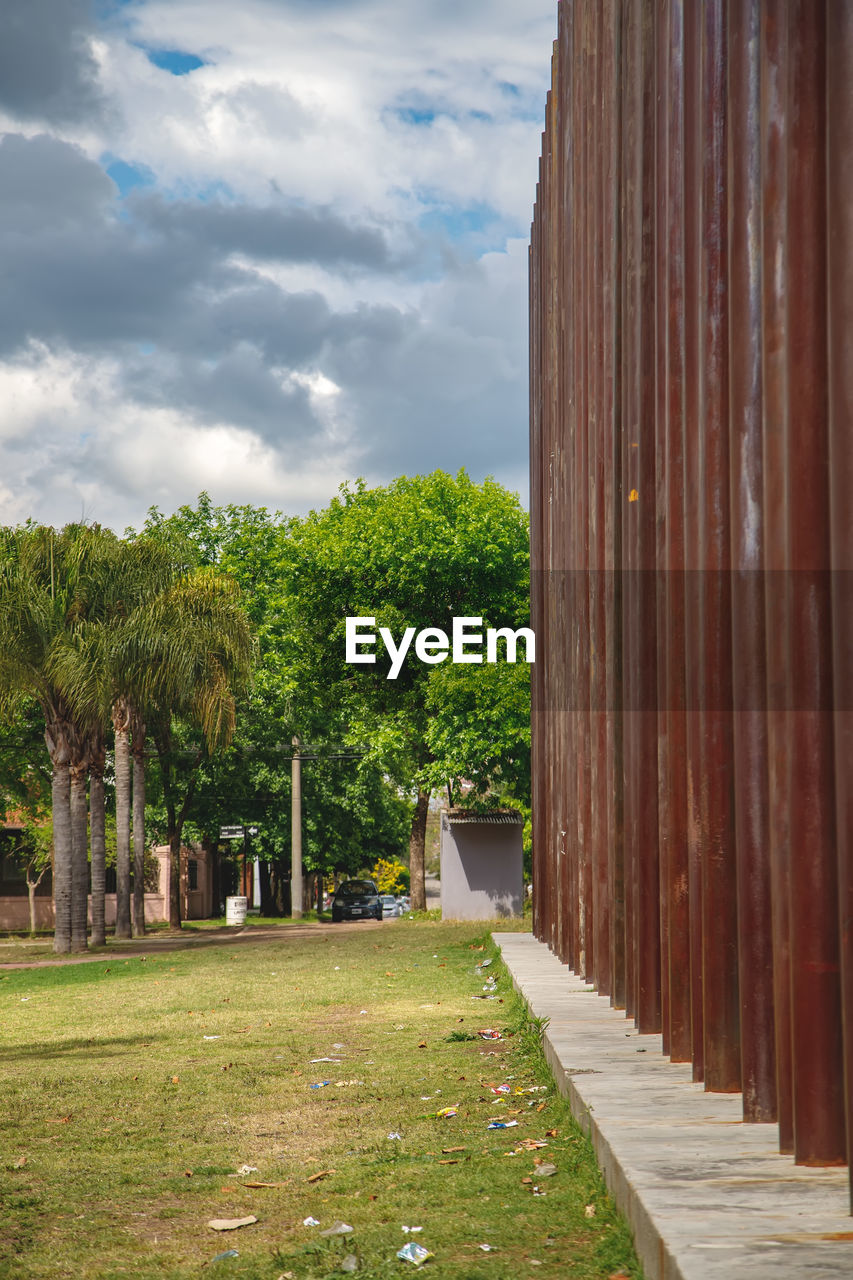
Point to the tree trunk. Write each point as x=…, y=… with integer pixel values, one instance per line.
x=138, y=826
x=121, y=724
x=175, y=880
x=79, y=855
x=417, y=846
x=97, y=828
x=267, y=904
x=32, y=885
x=60, y=787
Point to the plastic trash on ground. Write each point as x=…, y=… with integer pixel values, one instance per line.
x=229, y=1253
x=412, y=1229
x=245, y=1170
x=395, y=1136
x=321, y=1084
x=350, y=1263
x=503, y=1124
x=310, y=1222
x=446, y=1112
x=489, y=1033
x=338, y=1229
x=415, y=1253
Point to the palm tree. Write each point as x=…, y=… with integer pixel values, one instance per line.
x=107, y=668
x=46, y=597
x=202, y=646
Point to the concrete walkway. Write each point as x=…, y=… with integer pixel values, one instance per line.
x=708, y=1197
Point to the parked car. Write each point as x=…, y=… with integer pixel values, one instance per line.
x=356, y=900
x=390, y=906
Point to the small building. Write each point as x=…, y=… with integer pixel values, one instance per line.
x=482, y=874
x=196, y=888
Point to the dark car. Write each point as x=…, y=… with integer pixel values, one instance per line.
x=356, y=900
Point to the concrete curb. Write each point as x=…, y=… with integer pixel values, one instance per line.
x=707, y=1197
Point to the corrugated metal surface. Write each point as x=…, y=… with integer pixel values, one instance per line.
x=691, y=294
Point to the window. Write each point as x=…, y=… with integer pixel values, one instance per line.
x=192, y=874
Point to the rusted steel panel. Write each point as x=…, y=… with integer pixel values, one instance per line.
x=818, y=1096
x=749, y=672
x=690, y=382
x=680, y=1039
x=632, y=116
x=717, y=844
x=661, y=287
x=692, y=189
x=615, y=499
x=840, y=313
x=774, y=77
x=644, y=513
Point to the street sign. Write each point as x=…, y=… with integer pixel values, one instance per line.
x=231, y=833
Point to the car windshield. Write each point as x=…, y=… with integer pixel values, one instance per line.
x=356, y=889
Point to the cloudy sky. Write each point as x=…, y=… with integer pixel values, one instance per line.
x=259, y=247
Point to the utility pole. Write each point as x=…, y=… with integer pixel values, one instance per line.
x=296, y=832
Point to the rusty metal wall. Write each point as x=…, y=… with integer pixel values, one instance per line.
x=691, y=434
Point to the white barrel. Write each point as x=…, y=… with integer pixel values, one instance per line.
x=235, y=910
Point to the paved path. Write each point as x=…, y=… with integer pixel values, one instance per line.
x=708, y=1197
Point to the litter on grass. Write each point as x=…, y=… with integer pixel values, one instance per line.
x=314, y=1061
x=446, y=1112
x=229, y=1253
x=589, y=1211
x=310, y=1222
x=395, y=1137
x=211, y=1038
x=501, y=1088
x=547, y=1171
x=321, y=1084
x=411, y=1229
x=484, y=964
x=350, y=1263
x=415, y=1253
x=488, y=1033
x=487, y=1248
x=231, y=1224
x=503, y=1124
x=338, y=1229
x=245, y=1170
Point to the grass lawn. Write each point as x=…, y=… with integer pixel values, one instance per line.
x=144, y=1097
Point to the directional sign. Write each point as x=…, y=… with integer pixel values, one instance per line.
x=231, y=833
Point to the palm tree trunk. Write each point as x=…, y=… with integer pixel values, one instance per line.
x=121, y=724
x=58, y=746
x=138, y=826
x=417, y=846
x=79, y=854
x=97, y=827
x=60, y=789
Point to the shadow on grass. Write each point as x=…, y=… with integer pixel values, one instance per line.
x=47, y=1049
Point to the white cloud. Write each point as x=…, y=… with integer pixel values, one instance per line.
x=165, y=351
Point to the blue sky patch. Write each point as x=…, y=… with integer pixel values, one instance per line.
x=127, y=176
x=174, y=61
x=415, y=115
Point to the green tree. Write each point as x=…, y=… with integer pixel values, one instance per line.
x=50, y=591
x=416, y=553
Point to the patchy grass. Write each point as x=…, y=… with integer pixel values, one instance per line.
x=135, y=1090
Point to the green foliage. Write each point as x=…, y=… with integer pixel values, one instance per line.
x=418, y=553
x=390, y=875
